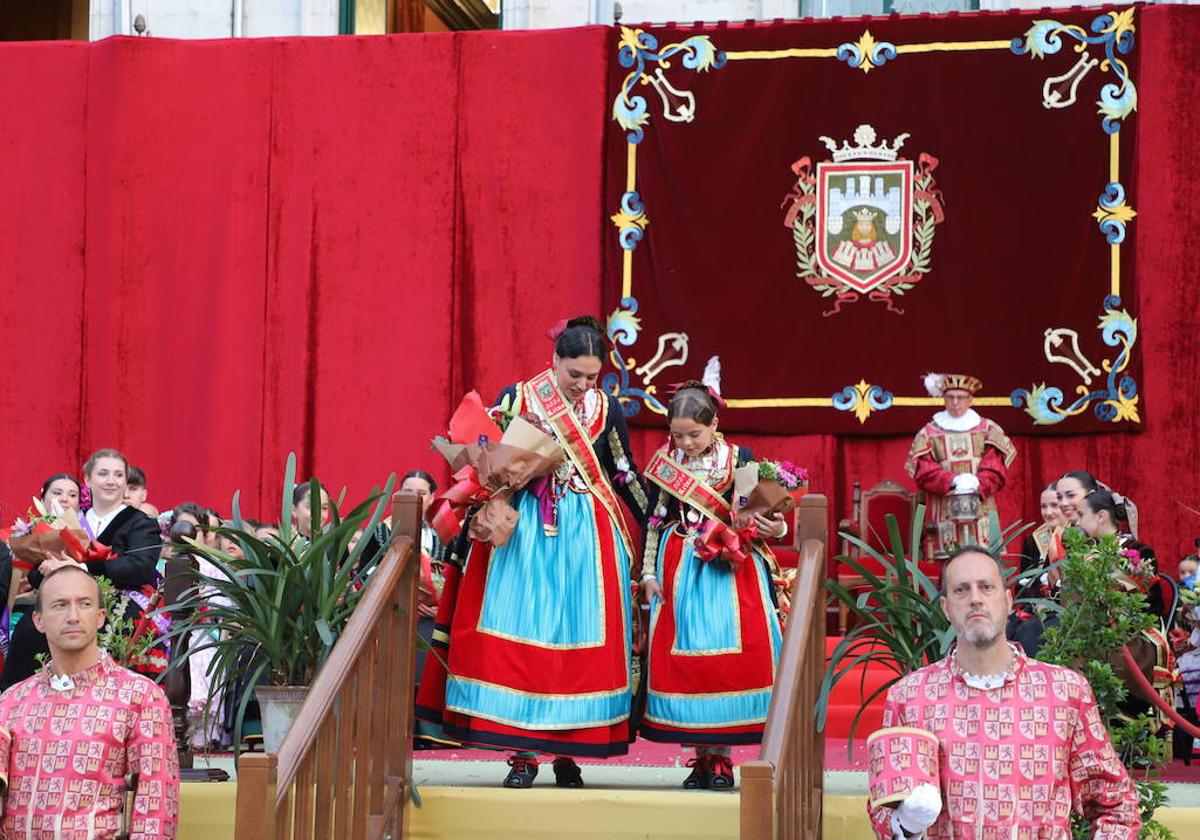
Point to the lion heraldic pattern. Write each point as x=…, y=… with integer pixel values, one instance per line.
x=863, y=222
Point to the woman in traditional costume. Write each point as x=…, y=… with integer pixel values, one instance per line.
x=133, y=543
x=715, y=635
x=1106, y=513
x=1044, y=545
x=539, y=632
x=1072, y=488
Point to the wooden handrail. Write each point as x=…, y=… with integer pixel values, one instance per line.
x=302, y=737
x=345, y=766
x=782, y=790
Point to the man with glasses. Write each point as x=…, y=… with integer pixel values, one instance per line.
x=958, y=453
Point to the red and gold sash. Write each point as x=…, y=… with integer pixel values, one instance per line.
x=675, y=480
x=543, y=392
x=720, y=536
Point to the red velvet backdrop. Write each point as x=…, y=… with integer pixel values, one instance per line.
x=318, y=244
x=217, y=252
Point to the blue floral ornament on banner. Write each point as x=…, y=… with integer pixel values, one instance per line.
x=1114, y=32
x=638, y=51
x=1116, y=402
x=866, y=53
x=1113, y=213
x=863, y=399
x=631, y=221
x=623, y=329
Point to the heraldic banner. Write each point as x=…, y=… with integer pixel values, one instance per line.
x=829, y=210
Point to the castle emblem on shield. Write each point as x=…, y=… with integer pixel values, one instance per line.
x=863, y=222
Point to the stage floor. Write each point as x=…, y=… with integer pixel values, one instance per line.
x=635, y=796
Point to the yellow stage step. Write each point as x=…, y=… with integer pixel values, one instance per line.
x=478, y=813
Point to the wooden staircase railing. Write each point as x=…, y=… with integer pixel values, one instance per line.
x=344, y=770
x=782, y=790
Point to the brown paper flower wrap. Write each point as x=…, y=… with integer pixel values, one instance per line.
x=489, y=470
x=64, y=534
x=900, y=758
x=768, y=498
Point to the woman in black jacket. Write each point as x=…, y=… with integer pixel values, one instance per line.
x=134, y=542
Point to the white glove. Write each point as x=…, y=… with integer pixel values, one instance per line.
x=965, y=483
x=919, y=811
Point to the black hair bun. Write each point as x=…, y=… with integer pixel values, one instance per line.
x=586, y=321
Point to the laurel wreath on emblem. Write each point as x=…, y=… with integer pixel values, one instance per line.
x=811, y=213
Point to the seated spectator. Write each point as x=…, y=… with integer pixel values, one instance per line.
x=1186, y=573
x=302, y=510
x=134, y=542
x=136, y=492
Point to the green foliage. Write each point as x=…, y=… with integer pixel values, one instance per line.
x=1096, y=620
x=117, y=634
x=277, y=611
x=898, y=615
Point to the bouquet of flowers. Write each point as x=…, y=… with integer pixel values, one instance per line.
x=49, y=533
x=777, y=486
x=490, y=463
x=1137, y=572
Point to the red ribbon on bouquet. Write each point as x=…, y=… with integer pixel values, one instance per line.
x=449, y=509
x=717, y=540
x=92, y=552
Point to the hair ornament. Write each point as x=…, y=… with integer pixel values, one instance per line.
x=697, y=385
x=558, y=329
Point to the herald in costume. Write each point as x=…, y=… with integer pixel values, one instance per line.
x=537, y=633
x=1020, y=744
x=72, y=748
x=958, y=451
x=1014, y=758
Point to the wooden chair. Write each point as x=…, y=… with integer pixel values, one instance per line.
x=868, y=523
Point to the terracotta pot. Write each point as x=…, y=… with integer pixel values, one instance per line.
x=278, y=705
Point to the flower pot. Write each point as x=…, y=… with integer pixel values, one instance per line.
x=278, y=705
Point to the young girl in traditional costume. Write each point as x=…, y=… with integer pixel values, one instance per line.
x=715, y=635
x=539, y=629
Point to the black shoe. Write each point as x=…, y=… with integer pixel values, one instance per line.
x=700, y=777
x=566, y=773
x=722, y=772
x=522, y=774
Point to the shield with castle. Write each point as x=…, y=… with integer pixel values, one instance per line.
x=863, y=222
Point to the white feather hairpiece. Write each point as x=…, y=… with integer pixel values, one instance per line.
x=712, y=374
x=933, y=384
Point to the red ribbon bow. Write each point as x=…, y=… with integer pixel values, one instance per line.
x=717, y=540
x=449, y=509
x=92, y=552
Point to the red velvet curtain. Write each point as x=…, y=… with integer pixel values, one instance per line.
x=218, y=252
x=213, y=253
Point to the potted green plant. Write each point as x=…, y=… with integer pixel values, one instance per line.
x=899, y=620
x=273, y=614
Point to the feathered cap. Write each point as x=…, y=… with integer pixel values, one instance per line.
x=937, y=384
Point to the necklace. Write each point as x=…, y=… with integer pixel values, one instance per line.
x=61, y=682
x=987, y=681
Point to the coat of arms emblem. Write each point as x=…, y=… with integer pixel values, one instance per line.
x=863, y=222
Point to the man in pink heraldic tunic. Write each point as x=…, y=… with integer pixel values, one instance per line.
x=958, y=452
x=76, y=728
x=1020, y=742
